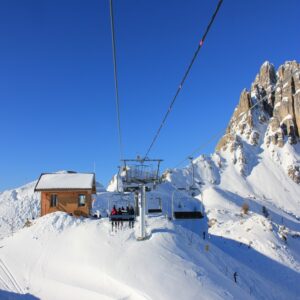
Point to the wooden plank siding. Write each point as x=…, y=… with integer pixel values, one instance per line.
x=67, y=201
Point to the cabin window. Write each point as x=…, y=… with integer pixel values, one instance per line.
x=53, y=200
x=81, y=200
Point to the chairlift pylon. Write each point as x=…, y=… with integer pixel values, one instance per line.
x=140, y=175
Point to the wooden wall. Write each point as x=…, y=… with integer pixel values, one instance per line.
x=67, y=202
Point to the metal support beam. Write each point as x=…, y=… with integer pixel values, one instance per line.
x=142, y=209
x=136, y=203
x=172, y=206
x=193, y=171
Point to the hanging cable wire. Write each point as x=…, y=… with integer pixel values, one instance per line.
x=217, y=135
x=185, y=76
x=112, y=22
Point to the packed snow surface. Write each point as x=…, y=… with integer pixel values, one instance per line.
x=67, y=258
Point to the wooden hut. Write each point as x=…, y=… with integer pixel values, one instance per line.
x=69, y=192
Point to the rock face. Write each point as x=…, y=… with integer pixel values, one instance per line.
x=268, y=114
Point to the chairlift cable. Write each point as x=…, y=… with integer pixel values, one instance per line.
x=213, y=137
x=185, y=76
x=116, y=77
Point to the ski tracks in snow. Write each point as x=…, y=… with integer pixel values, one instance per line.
x=8, y=280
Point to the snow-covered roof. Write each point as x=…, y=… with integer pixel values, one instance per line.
x=66, y=181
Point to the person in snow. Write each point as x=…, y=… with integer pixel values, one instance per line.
x=131, y=220
x=235, y=277
x=113, y=213
x=204, y=235
x=120, y=221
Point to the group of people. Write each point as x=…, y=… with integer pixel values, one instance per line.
x=125, y=214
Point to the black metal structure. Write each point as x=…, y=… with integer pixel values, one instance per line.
x=188, y=215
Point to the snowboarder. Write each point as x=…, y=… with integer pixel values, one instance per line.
x=235, y=277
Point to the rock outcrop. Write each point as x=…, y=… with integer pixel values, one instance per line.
x=268, y=114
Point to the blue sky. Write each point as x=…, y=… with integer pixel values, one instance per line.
x=57, y=89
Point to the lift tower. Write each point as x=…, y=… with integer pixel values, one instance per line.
x=140, y=175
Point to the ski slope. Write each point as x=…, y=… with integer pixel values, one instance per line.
x=69, y=258
x=61, y=257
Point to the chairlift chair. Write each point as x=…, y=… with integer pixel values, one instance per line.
x=184, y=214
x=157, y=209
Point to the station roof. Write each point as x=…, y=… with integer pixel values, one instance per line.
x=66, y=181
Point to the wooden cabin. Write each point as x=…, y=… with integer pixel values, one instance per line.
x=69, y=192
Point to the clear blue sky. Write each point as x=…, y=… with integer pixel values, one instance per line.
x=57, y=89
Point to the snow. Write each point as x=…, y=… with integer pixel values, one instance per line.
x=285, y=85
x=62, y=257
x=52, y=264
x=266, y=64
x=258, y=177
x=65, y=181
x=16, y=206
x=277, y=104
x=285, y=99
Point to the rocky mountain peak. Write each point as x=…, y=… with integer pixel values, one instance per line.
x=266, y=75
x=268, y=114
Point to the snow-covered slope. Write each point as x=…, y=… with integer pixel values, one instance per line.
x=16, y=206
x=67, y=258
x=256, y=166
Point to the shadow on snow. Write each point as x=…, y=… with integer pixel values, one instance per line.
x=6, y=295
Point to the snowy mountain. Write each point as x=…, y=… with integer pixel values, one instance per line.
x=249, y=190
x=256, y=166
x=16, y=206
x=259, y=155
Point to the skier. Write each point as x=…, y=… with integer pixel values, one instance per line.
x=120, y=220
x=131, y=220
x=131, y=210
x=113, y=213
x=204, y=235
x=235, y=276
